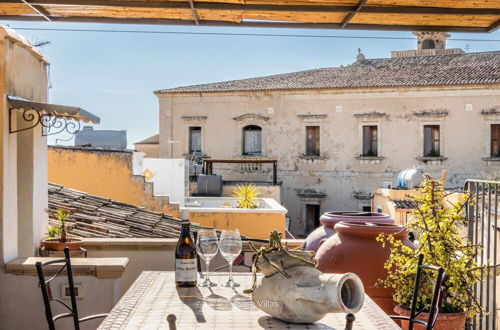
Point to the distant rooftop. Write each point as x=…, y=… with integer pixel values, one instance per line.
x=404, y=204
x=155, y=139
x=91, y=149
x=99, y=217
x=434, y=70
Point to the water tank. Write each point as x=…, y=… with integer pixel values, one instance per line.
x=410, y=178
x=106, y=139
x=209, y=185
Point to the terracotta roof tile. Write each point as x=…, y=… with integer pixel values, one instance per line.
x=155, y=139
x=102, y=217
x=449, y=69
x=98, y=217
x=404, y=204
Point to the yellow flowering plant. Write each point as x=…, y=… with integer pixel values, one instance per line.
x=439, y=225
x=247, y=196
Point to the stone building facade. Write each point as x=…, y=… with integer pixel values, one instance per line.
x=339, y=133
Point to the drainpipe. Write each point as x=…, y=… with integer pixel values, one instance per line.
x=372, y=201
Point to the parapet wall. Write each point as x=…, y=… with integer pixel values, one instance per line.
x=107, y=173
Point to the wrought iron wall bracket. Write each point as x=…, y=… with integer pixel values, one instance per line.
x=53, y=124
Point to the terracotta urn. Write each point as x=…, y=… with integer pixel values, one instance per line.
x=54, y=244
x=445, y=321
x=355, y=249
x=329, y=219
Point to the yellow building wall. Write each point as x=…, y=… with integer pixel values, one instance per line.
x=106, y=174
x=254, y=225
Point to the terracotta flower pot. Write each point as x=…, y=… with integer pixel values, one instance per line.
x=445, y=321
x=54, y=244
x=354, y=249
x=330, y=219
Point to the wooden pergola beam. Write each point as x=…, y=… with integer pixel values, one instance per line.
x=39, y=9
x=195, y=14
x=268, y=7
x=493, y=27
x=348, y=18
x=160, y=21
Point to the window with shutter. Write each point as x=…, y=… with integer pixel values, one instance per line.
x=312, y=141
x=370, y=141
x=495, y=136
x=431, y=141
x=252, y=140
x=194, y=139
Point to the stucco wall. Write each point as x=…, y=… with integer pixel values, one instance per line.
x=255, y=225
x=283, y=115
x=23, y=73
x=25, y=308
x=150, y=150
x=105, y=173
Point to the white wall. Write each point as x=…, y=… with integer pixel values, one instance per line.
x=32, y=190
x=168, y=178
x=26, y=309
x=9, y=196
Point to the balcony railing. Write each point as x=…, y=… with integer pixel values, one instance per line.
x=484, y=231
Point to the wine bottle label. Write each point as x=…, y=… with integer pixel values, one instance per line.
x=185, y=270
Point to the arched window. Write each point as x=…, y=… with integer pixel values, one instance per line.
x=428, y=44
x=252, y=140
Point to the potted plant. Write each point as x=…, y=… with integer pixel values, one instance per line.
x=57, y=236
x=247, y=196
x=439, y=225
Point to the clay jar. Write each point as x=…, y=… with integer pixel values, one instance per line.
x=330, y=219
x=355, y=249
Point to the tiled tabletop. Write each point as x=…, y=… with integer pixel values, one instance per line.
x=154, y=295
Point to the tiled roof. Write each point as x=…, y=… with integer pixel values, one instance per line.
x=102, y=217
x=449, y=69
x=404, y=204
x=155, y=139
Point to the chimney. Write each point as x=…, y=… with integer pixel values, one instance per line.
x=428, y=44
x=360, y=58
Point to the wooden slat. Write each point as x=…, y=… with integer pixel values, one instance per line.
x=437, y=3
x=314, y=8
x=407, y=15
x=493, y=27
x=38, y=9
x=436, y=20
x=294, y=17
x=164, y=21
x=238, y=16
x=123, y=12
x=193, y=12
x=349, y=17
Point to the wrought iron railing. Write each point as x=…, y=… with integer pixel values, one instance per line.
x=484, y=231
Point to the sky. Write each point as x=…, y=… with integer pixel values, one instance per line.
x=113, y=75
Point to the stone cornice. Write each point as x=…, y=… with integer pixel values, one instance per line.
x=431, y=113
x=97, y=267
x=373, y=114
x=312, y=116
x=194, y=117
x=251, y=116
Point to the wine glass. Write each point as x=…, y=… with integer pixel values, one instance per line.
x=206, y=246
x=230, y=248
